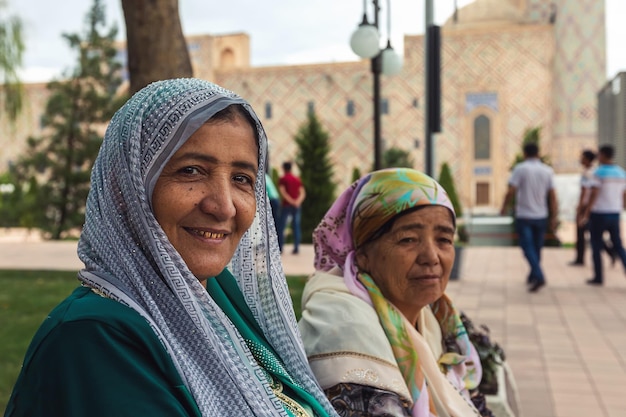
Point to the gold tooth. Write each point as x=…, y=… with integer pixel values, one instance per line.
x=210, y=235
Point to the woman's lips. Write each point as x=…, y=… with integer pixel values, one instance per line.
x=427, y=277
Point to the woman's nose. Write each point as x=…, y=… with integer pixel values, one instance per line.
x=427, y=253
x=217, y=200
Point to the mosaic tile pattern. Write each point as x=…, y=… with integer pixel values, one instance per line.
x=579, y=72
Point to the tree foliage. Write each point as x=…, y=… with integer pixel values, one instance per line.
x=531, y=135
x=356, y=175
x=316, y=173
x=397, y=158
x=56, y=166
x=10, y=196
x=18, y=202
x=11, y=53
x=447, y=182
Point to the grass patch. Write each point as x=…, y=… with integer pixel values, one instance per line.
x=26, y=298
x=296, y=286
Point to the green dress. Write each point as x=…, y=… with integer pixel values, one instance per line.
x=295, y=400
x=95, y=357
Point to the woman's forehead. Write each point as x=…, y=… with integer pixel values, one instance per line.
x=433, y=215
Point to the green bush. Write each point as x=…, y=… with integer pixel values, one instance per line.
x=356, y=174
x=447, y=182
x=316, y=173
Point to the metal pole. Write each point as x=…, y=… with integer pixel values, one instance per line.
x=376, y=71
x=429, y=13
x=428, y=140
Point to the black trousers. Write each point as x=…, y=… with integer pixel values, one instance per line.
x=581, y=244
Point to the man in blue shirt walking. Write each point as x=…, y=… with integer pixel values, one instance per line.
x=604, y=209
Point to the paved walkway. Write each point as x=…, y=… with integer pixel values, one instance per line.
x=566, y=344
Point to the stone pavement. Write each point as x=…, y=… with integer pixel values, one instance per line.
x=566, y=344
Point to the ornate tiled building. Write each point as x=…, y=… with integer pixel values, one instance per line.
x=507, y=65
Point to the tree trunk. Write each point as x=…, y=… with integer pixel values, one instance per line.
x=155, y=42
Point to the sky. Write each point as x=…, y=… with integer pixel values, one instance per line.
x=282, y=32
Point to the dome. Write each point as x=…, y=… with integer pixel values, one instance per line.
x=486, y=11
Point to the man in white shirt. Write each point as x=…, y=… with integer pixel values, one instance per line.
x=586, y=180
x=532, y=186
x=604, y=209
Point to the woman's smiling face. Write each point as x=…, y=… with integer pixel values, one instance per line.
x=204, y=199
x=411, y=263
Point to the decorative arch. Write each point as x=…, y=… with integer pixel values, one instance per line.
x=227, y=58
x=482, y=137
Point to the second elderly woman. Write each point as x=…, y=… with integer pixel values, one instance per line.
x=381, y=336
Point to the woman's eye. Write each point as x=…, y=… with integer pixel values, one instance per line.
x=191, y=170
x=242, y=179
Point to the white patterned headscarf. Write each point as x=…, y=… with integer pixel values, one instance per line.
x=129, y=258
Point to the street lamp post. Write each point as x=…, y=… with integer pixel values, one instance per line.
x=428, y=20
x=376, y=70
x=365, y=42
x=432, y=85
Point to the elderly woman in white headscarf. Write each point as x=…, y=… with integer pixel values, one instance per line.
x=183, y=308
x=381, y=336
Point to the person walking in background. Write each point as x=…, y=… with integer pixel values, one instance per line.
x=292, y=193
x=606, y=203
x=532, y=186
x=274, y=197
x=586, y=160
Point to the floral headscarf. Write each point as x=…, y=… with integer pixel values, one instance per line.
x=129, y=258
x=352, y=221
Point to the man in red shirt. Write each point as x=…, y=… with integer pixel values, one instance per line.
x=292, y=194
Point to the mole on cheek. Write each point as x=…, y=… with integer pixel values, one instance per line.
x=190, y=189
